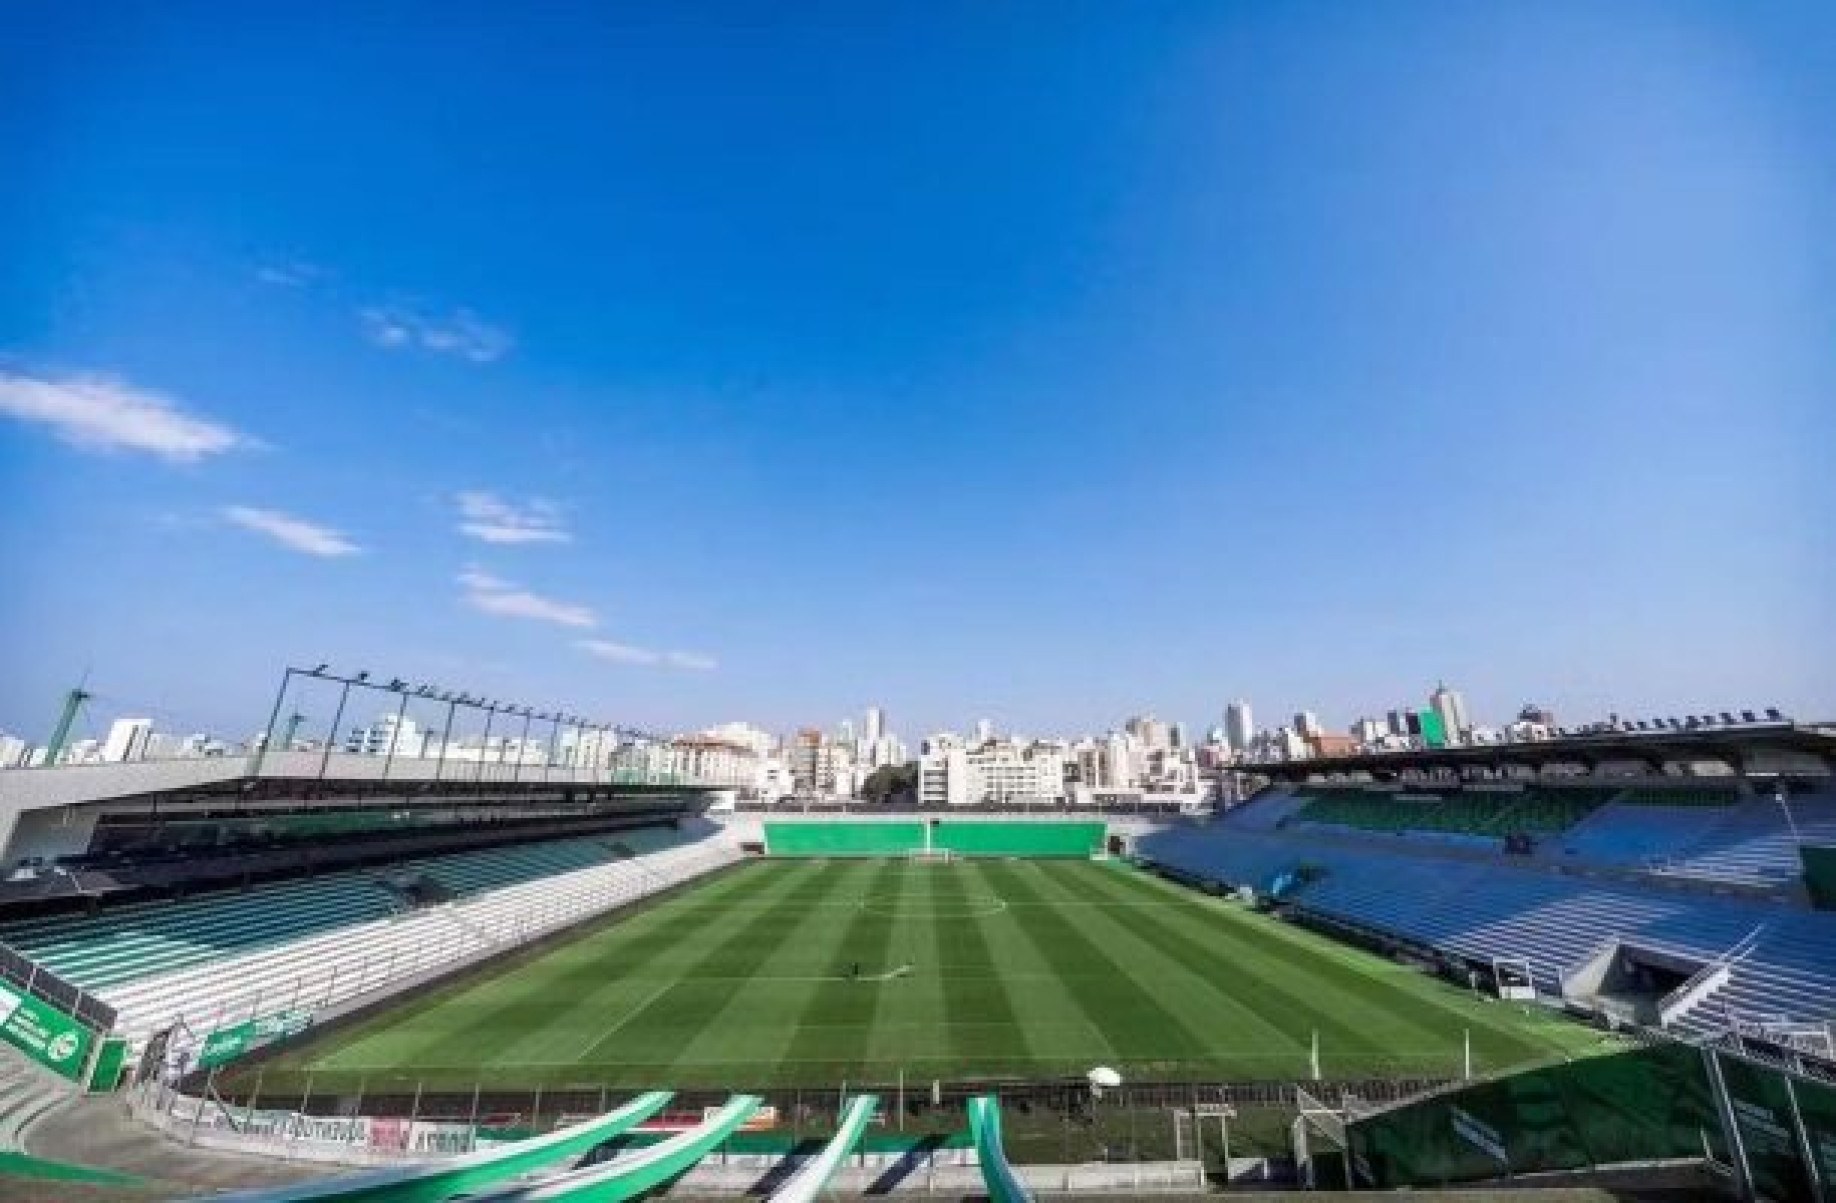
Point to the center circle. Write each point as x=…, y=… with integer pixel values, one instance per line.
x=969, y=908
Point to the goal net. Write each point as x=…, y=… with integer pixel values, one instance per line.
x=932, y=856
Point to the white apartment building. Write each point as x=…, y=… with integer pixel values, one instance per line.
x=391, y=734
x=12, y=751
x=127, y=740
x=1003, y=771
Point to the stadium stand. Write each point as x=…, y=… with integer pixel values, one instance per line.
x=225, y=957
x=1635, y=833
x=1780, y=958
x=1489, y=814
x=1756, y=842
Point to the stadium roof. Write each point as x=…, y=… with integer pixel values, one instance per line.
x=1747, y=748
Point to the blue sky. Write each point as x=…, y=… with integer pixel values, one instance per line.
x=1048, y=362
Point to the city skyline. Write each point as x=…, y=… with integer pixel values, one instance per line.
x=945, y=369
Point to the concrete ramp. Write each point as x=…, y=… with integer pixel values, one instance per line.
x=806, y=1182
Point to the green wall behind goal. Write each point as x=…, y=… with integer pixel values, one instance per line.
x=1079, y=840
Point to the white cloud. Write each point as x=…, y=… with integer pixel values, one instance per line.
x=620, y=653
x=624, y=653
x=489, y=518
x=290, y=273
x=494, y=595
x=461, y=333
x=103, y=414
x=295, y=534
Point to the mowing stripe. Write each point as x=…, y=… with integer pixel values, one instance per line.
x=1131, y=1019
x=972, y=1003
x=495, y=1013
x=1392, y=1026
x=1057, y=1030
x=758, y=1018
x=1291, y=1012
x=680, y=1013
x=865, y=939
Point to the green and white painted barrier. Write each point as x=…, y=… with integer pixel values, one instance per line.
x=997, y=1176
x=227, y=1044
x=802, y=1187
x=632, y=1175
x=430, y=1182
x=44, y=1033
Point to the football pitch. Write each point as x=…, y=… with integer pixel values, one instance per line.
x=792, y=973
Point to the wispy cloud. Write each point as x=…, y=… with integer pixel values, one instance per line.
x=100, y=413
x=460, y=333
x=490, y=519
x=290, y=273
x=295, y=534
x=624, y=653
x=506, y=599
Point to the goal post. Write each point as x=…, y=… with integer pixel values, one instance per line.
x=931, y=856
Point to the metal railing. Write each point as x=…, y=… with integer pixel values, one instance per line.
x=37, y=980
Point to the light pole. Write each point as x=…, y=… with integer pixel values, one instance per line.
x=446, y=733
x=484, y=748
x=344, y=695
x=522, y=745
x=261, y=753
x=401, y=716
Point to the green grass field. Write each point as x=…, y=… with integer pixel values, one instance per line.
x=975, y=969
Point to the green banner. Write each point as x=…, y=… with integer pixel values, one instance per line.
x=1820, y=874
x=44, y=1033
x=226, y=1044
x=110, y=1066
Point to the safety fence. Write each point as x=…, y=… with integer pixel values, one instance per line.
x=1058, y=1121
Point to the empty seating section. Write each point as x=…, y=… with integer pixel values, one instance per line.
x=1756, y=842
x=1460, y=812
x=1681, y=795
x=1490, y=908
x=1635, y=834
x=330, y=967
x=125, y=944
x=496, y=867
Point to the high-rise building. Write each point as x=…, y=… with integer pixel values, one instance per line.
x=1308, y=724
x=127, y=739
x=984, y=730
x=12, y=751
x=876, y=724
x=1239, y=728
x=1451, y=708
